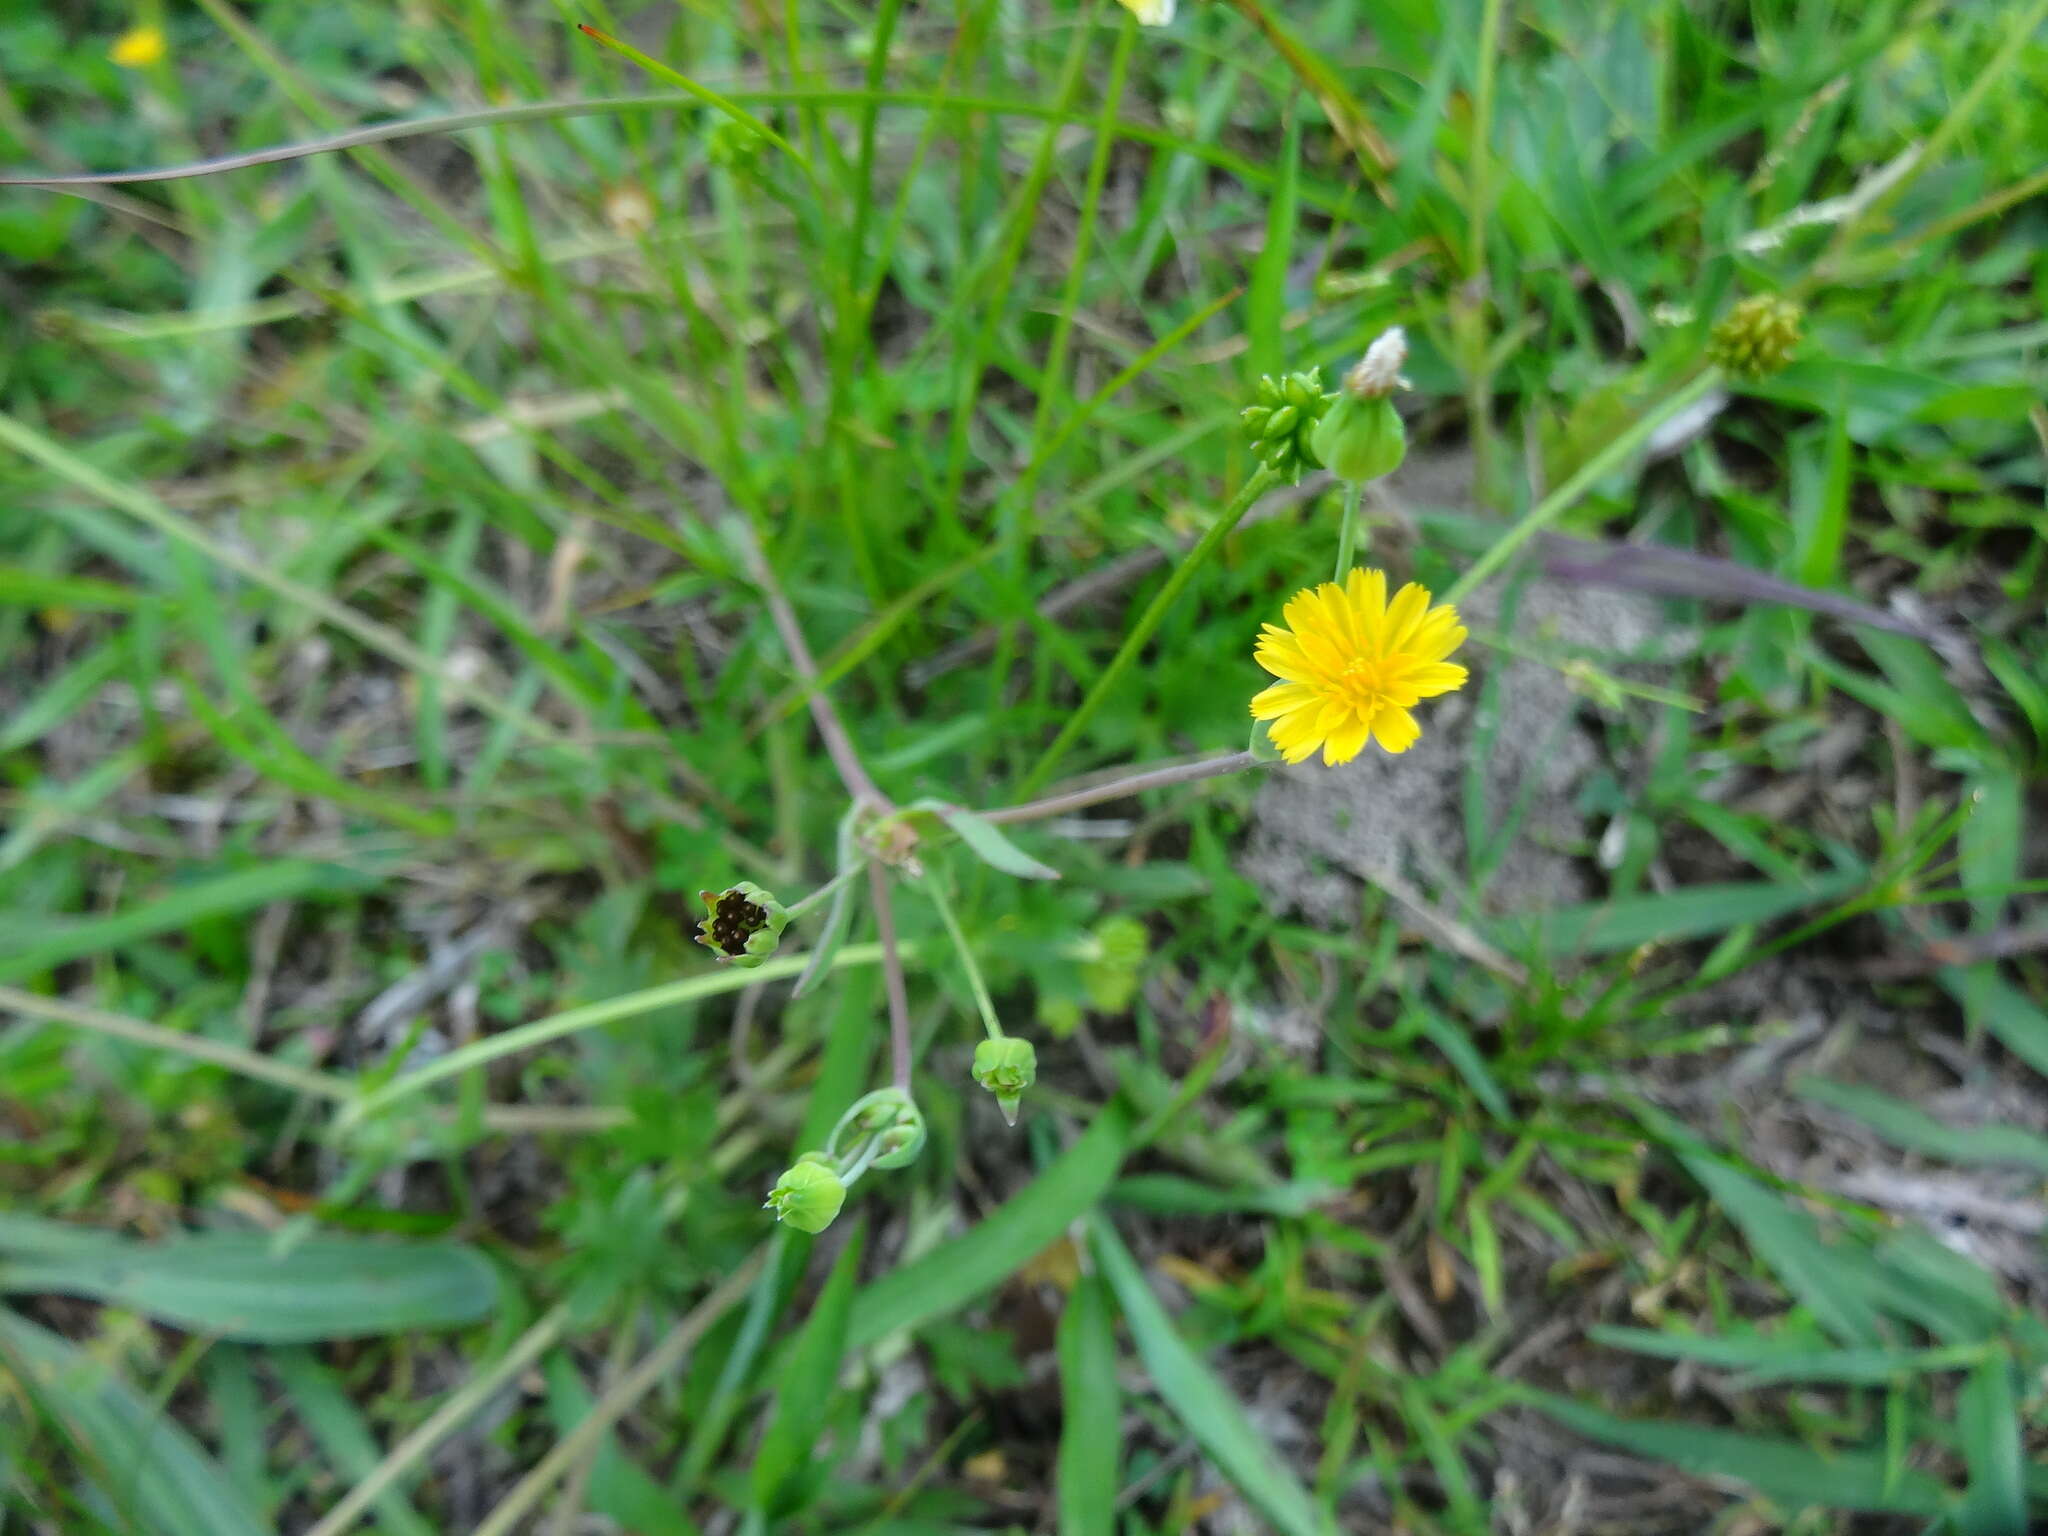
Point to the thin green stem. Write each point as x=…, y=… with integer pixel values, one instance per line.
x=892, y=978
x=804, y=904
x=1347, y=530
x=460, y=1405
x=574, y=1020
x=1590, y=474
x=1148, y=622
x=934, y=889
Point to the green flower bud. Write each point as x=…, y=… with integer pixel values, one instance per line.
x=808, y=1195
x=1282, y=418
x=892, y=1118
x=1006, y=1066
x=1361, y=439
x=1756, y=337
x=745, y=925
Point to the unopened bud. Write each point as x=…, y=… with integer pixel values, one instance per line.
x=1006, y=1066
x=808, y=1195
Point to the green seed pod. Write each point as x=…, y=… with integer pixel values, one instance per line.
x=1757, y=337
x=808, y=1195
x=1362, y=438
x=1280, y=424
x=1006, y=1066
x=745, y=925
x=892, y=1118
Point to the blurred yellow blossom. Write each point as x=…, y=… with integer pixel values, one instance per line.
x=1150, y=13
x=139, y=47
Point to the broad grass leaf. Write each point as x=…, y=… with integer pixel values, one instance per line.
x=1908, y=1125
x=803, y=1388
x=1199, y=1400
x=1988, y=1424
x=1789, y=1242
x=956, y=1272
x=336, y=1424
x=148, y=1467
x=1791, y=1474
x=1693, y=912
x=1091, y=1413
x=236, y=1285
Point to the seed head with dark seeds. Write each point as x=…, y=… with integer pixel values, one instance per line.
x=745, y=924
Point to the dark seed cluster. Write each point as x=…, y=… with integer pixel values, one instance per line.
x=735, y=920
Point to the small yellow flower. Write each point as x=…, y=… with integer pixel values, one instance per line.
x=139, y=47
x=1351, y=664
x=1150, y=13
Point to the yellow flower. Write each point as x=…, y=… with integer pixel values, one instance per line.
x=1150, y=13
x=1350, y=665
x=138, y=48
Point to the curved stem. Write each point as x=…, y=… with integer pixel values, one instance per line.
x=1148, y=622
x=1347, y=532
x=892, y=979
x=1130, y=784
x=982, y=1000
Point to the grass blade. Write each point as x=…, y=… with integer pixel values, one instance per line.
x=1091, y=1414
x=1200, y=1401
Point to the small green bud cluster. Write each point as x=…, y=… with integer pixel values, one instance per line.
x=745, y=924
x=1006, y=1065
x=1757, y=337
x=1283, y=420
x=883, y=1129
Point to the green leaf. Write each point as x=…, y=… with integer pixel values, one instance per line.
x=1690, y=913
x=1091, y=1414
x=236, y=1285
x=335, y=1422
x=1766, y=1360
x=1907, y=1125
x=1200, y=1401
x=1988, y=1423
x=180, y=907
x=2003, y=1009
x=838, y=915
x=956, y=1272
x=1789, y=1242
x=151, y=1466
x=1266, y=298
x=1788, y=1473
x=988, y=844
x=804, y=1388
x=618, y=1489
x=1448, y=1037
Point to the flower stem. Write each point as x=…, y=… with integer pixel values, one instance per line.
x=1148, y=622
x=804, y=904
x=982, y=1000
x=1347, y=531
x=1129, y=784
x=859, y=787
x=892, y=979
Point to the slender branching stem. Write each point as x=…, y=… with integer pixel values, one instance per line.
x=831, y=729
x=982, y=1000
x=892, y=978
x=1116, y=789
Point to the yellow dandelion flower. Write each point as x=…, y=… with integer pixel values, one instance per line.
x=1351, y=664
x=139, y=47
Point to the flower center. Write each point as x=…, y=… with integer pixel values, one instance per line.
x=1362, y=682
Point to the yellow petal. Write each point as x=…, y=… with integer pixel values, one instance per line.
x=1346, y=744
x=1280, y=654
x=1368, y=593
x=1395, y=730
x=1280, y=699
x=1434, y=678
x=1437, y=635
x=1404, y=613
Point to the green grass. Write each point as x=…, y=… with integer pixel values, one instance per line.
x=384, y=669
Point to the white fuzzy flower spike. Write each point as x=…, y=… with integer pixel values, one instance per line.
x=1379, y=372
